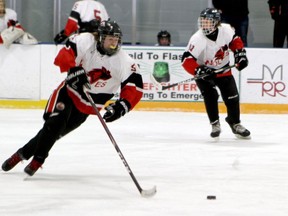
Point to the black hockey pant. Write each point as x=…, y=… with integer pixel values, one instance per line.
x=229, y=93
x=57, y=124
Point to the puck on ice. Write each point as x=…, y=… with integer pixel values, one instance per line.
x=211, y=197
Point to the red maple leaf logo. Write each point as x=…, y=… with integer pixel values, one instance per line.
x=98, y=73
x=220, y=54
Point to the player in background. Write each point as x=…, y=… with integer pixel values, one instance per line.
x=10, y=28
x=82, y=13
x=208, y=50
x=163, y=38
x=96, y=62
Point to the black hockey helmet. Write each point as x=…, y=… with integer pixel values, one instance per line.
x=209, y=20
x=164, y=34
x=111, y=28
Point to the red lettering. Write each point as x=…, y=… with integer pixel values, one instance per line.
x=149, y=86
x=273, y=88
x=100, y=84
x=96, y=12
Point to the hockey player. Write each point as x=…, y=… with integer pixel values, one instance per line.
x=10, y=28
x=81, y=15
x=207, y=50
x=163, y=38
x=98, y=62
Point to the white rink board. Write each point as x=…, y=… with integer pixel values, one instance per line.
x=51, y=76
x=28, y=72
x=20, y=72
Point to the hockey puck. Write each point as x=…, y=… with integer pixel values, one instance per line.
x=211, y=197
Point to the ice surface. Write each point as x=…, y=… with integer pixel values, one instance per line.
x=172, y=150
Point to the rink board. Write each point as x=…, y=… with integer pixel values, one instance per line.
x=262, y=85
x=162, y=106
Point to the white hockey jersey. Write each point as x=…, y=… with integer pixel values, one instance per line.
x=10, y=29
x=83, y=12
x=8, y=19
x=214, y=54
x=107, y=74
x=205, y=50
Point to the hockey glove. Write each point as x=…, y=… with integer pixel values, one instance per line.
x=77, y=78
x=241, y=60
x=205, y=72
x=60, y=37
x=116, y=110
x=91, y=26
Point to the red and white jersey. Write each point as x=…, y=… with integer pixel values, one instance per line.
x=9, y=19
x=83, y=12
x=107, y=74
x=214, y=54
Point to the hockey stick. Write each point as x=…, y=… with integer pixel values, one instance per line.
x=144, y=193
x=161, y=87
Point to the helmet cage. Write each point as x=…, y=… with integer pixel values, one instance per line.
x=2, y=8
x=209, y=20
x=207, y=25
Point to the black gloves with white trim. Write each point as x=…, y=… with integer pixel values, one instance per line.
x=205, y=72
x=240, y=59
x=77, y=78
x=60, y=37
x=116, y=110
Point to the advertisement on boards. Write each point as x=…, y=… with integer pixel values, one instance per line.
x=165, y=67
x=266, y=79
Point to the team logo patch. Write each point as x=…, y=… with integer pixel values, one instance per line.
x=220, y=54
x=97, y=74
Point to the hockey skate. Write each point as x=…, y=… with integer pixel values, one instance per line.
x=12, y=161
x=32, y=167
x=239, y=130
x=216, y=129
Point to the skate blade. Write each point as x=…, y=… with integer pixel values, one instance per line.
x=27, y=177
x=216, y=139
x=242, y=137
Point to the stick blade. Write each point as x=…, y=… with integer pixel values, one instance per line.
x=149, y=193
